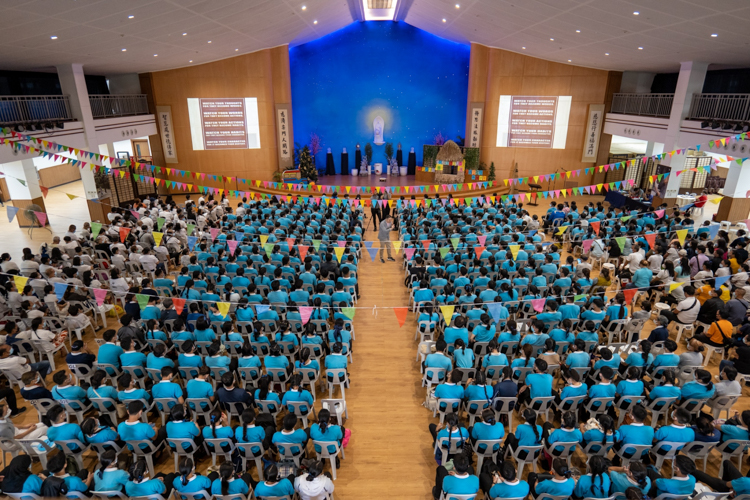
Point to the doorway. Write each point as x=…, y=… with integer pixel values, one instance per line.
x=141, y=150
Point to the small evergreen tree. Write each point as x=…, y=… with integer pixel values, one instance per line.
x=491, y=177
x=307, y=165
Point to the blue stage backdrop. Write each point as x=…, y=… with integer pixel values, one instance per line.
x=417, y=82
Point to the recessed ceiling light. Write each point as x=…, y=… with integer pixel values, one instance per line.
x=636, y=13
x=304, y=7
x=444, y=20
x=131, y=17
x=124, y=50
x=569, y=60
x=578, y=31
x=53, y=37
x=315, y=22
x=236, y=50
x=209, y=41
x=714, y=35
x=190, y=60
x=524, y=48
x=184, y=34
x=551, y=39
x=458, y=6
x=606, y=53
x=640, y=48
x=156, y=55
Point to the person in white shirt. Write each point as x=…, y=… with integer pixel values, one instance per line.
x=149, y=261
x=654, y=261
x=71, y=232
x=686, y=311
x=727, y=384
x=314, y=484
x=6, y=265
x=28, y=266
x=45, y=339
x=117, y=284
x=633, y=260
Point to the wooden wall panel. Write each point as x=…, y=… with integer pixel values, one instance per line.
x=508, y=73
x=21, y=218
x=59, y=175
x=264, y=75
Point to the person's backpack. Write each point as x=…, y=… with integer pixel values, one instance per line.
x=54, y=487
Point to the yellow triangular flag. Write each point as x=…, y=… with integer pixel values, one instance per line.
x=157, y=237
x=20, y=282
x=672, y=286
x=681, y=233
x=71, y=196
x=561, y=229
x=263, y=239
x=223, y=308
x=339, y=253
x=717, y=200
x=396, y=245
x=514, y=249
x=447, y=313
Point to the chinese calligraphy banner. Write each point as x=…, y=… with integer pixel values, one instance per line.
x=474, y=134
x=166, y=130
x=284, y=135
x=594, y=125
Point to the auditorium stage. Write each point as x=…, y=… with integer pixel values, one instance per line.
x=371, y=180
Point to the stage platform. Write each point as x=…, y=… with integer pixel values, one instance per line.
x=372, y=180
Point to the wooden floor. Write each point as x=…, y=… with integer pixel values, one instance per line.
x=371, y=180
x=390, y=452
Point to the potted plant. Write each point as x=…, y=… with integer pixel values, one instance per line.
x=368, y=155
x=307, y=165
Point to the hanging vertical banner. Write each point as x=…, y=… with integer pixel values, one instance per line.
x=284, y=135
x=594, y=125
x=474, y=134
x=166, y=130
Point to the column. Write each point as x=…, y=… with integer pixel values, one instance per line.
x=735, y=206
x=73, y=84
x=689, y=82
x=23, y=194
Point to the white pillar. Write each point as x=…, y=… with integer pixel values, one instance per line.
x=689, y=82
x=26, y=171
x=650, y=148
x=738, y=180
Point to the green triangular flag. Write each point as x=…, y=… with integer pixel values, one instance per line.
x=160, y=223
x=455, y=242
x=96, y=228
x=348, y=312
x=21, y=181
x=625, y=219
x=579, y=297
x=444, y=251
x=268, y=247
x=316, y=244
x=142, y=300
x=621, y=241
x=190, y=228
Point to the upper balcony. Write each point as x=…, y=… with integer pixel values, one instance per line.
x=111, y=106
x=712, y=109
x=657, y=105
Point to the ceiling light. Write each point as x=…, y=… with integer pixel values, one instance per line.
x=131, y=17
x=156, y=55
x=190, y=60
x=551, y=39
x=209, y=41
x=714, y=35
x=636, y=13
x=444, y=20
x=578, y=31
x=606, y=53
x=124, y=50
x=304, y=7
x=315, y=22
x=524, y=48
x=53, y=37
x=458, y=6
x=236, y=50
x=184, y=34
x=570, y=60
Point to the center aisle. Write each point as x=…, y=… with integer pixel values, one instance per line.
x=389, y=454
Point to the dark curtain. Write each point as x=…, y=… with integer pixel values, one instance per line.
x=412, y=166
x=358, y=160
x=399, y=157
x=330, y=167
x=344, y=163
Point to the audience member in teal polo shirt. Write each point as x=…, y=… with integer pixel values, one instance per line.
x=135, y=430
x=460, y=482
x=636, y=475
x=56, y=466
x=262, y=393
x=667, y=389
x=324, y=431
x=567, y=433
x=227, y=484
x=296, y=394
x=488, y=430
x=131, y=357
x=457, y=330
x=632, y=385
x=109, y=352
x=151, y=311
x=682, y=481
x=190, y=482
x=635, y=433
x=200, y=388
x=537, y=384
x=677, y=432
x=62, y=430
x=605, y=388
x=128, y=392
x=273, y=485
x=642, y=357
x=166, y=389
x=504, y=484
x=157, y=359
x=141, y=485
x=289, y=439
x=248, y=432
x=701, y=387
x=99, y=389
x=216, y=360
x=602, y=435
x=668, y=359
x=578, y=357
x=188, y=360
x=109, y=477
x=451, y=390
x=561, y=484
x=96, y=433
x=66, y=390
x=596, y=483
x=438, y=359
x=573, y=389
x=181, y=427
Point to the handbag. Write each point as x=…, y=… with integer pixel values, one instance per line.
x=431, y=401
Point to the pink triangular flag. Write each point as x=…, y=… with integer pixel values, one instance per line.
x=341, y=243
x=305, y=312
x=135, y=214
x=214, y=233
x=42, y=218
x=232, y=246
x=409, y=252
x=538, y=304
x=587, y=245
x=290, y=242
x=482, y=239
x=100, y=293
x=659, y=214
x=302, y=251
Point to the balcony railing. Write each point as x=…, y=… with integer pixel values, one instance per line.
x=659, y=105
x=34, y=108
x=733, y=107
x=110, y=106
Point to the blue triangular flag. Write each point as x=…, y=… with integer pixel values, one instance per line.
x=239, y=235
x=261, y=308
x=494, y=310
x=720, y=280
x=12, y=211
x=532, y=232
x=191, y=241
x=60, y=290
x=368, y=244
x=373, y=253
x=713, y=230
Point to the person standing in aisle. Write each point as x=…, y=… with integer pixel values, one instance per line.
x=375, y=211
x=384, y=236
